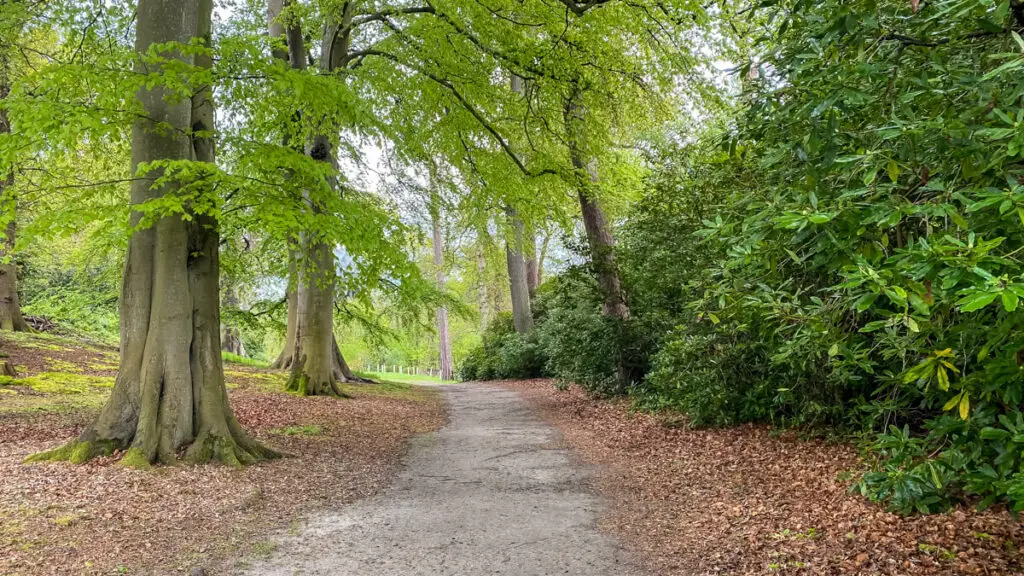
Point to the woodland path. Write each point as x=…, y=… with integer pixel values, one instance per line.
x=491, y=493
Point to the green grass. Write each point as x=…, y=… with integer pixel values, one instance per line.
x=411, y=378
x=236, y=359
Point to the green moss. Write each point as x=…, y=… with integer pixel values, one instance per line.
x=298, y=384
x=75, y=452
x=304, y=430
x=263, y=549
x=60, y=382
x=65, y=521
x=135, y=458
x=57, y=365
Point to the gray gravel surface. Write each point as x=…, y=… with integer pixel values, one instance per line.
x=491, y=493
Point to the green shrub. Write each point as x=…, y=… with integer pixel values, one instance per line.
x=503, y=354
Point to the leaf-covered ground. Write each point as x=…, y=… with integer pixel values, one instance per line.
x=101, y=518
x=747, y=501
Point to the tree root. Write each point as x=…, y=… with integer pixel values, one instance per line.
x=301, y=385
x=205, y=449
x=76, y=452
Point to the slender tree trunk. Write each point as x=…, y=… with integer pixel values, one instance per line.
x=443, y=338
x=599, y=232
x=532, y=262
x=481, y=271
x=542, y=256
x=10, y=305
x=522, y=315
x=169, y=394
x=231, y=339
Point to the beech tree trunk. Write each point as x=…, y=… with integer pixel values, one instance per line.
x=231, y=340
x=169, y=394
x=522, y=315
x=10, y=305
x=311, y=351
x=599, y=232
x=443, y=337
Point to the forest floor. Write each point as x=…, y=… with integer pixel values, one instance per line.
x=101, y=518
x=748, y=500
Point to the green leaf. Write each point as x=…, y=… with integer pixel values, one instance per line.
x=912, y=324
x=965, y=405
x=1010, y=300
x=942, y=377
x=990, y=433
x=977, y=301
x=865, y=301
x=952, y=403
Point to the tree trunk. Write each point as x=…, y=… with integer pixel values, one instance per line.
x=316, y=361
x=10, y=305
x=522, y=315
x=532, y=263
x=231, y=340
x=313, y=356
x=481, y=269
x=443, y=338
x=599, y=233
x=284, y=359
x=169, y=393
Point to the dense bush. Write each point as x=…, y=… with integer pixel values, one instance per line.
x=503, y=354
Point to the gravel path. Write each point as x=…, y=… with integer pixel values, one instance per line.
x=488, y=494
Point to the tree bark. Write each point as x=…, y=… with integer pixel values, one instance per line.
x=532, y=262
x=443, y=337
x=522, y=315
x=231, y=339
x=481, y=271
x=599, y=232
x=10, y=306
x=169, y=394
x=314, y=357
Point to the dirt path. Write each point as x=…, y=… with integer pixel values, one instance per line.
x=488, y=494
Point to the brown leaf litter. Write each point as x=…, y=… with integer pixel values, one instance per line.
x=100, y=518
x=745, y=500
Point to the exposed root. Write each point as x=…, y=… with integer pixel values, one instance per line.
x=302, y=385
x=212, y=448
x=207, y=449
x=135, y=458
x=76, y=452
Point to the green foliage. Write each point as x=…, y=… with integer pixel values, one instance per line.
x=604, y=355
x=236, y=359
x=503, y=354
x=838, y=253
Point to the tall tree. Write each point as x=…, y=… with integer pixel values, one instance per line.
x=310, y=350
x=10, y=305
x=169, y=394
x=443, y=336
x=522, y=313
x=599, y=231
